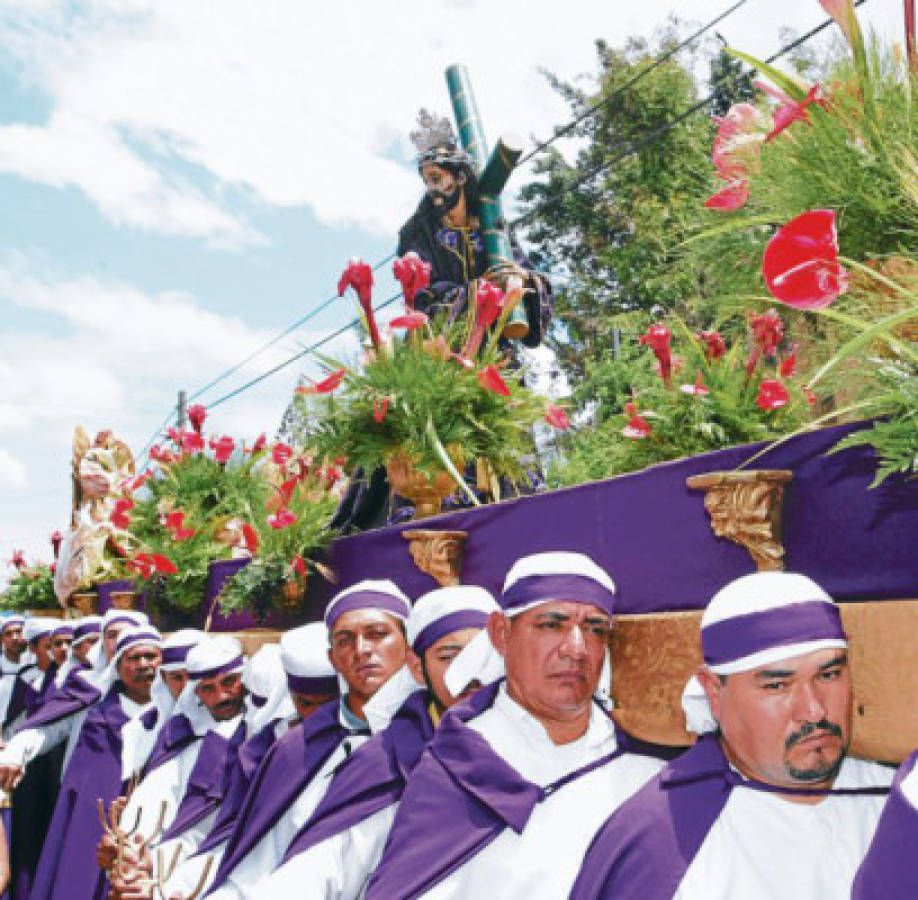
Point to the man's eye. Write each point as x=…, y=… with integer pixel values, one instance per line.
x=550, y=626
x=830, y=675
x=774, y=685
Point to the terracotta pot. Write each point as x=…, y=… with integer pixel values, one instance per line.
x=426, y=494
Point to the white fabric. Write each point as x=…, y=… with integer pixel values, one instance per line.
x=88, y=620
x=212, y=653
x=186, y=637
x=442, y=602
x=8, y=672
x=381, y=585
x=304, y=651
x=267, y=854
x=909, y=787
x=110, y=674
x=38, y=626
x=265, y=677
x=557, y=562
x=386, y=702
x=764, y=847
x=544, y=860
x=759, y=592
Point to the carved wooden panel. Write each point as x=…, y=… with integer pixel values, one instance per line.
x=654, y=655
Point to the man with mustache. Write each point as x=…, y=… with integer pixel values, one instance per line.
x=100, y=767
x=367, y=646
x=504, y=801
x=337, y=850
x=766, y=804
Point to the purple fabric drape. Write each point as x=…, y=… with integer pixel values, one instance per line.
x=173, y=738
x=74, y=695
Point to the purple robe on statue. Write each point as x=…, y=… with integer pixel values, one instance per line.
x=287, y=769
x=372, y=778
x=890, y=868
x=208, y=781
x=68, y=869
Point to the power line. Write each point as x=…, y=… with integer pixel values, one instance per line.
x=595, y=107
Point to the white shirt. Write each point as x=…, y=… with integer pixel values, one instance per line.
x=542, y=863
x=763, y=847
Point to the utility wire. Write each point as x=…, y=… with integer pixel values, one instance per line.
x=595, y=107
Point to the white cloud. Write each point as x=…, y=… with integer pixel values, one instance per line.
x=13, y=472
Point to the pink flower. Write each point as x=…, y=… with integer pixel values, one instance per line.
x=489, y=300
x=767, y=331
x=196, y=415
x=738, y=142
x=281, y=519
x=772, y=395
x=697, y=389
x=715, y=345
x=638, y=427
x=410, y=322
x=18, y=560
x=800, y=263
x=788, y=365
x=119, y=517
x=380, y=408
x=413, y=274
x=56, y=540
x=557, y=417
x=223, y=448
x=298, y=565
x=789, y=111
x=658, y=338
x=359, y=276
x=161, y=455
x=175, y=435
x=490, y=379
x=140, y=480
x=281, y=453
x=251, y=538
x=192, y=442
x=259, y=444
x=730, y=198
x=326, y=385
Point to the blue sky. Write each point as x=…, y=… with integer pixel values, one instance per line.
x=180, y=181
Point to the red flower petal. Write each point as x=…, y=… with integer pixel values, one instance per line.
x=772, y=395
x=380, y=408
x=251, y=538
x=410, y=321
x=730, y=198
x=163, y=564
x=359, y=276
x=490, y=379
x=196, y=415
x=557, y=417
x=281, y=453
x=326, y=385
x=413, y=274
x=298, y=565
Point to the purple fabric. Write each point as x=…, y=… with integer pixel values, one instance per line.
x=366, y=600
x=6, y=815
x=232, y=665
x=207, y=782
x=735, y=638
x=573, y=588
x=372, y=778
x=86, y=629
x=126, y=618
x=139, y=637
x=107, y=588
x=43, y=692
x=73, y=695
x=172, y=655
x=242, y=770
x=865, y=549
x=465, y=618
x=11, y=621
x=173, y=738
x=890, y=868
x=286, y=770
x=306, y=684
x=68, y=867
x=19, y=697
x=63, y=629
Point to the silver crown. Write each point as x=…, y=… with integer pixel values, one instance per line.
x=434, y=132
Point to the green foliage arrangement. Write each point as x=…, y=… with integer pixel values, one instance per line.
x=32, y=587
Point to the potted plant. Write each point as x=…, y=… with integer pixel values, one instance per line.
x=31, y=588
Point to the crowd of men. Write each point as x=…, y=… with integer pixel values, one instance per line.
x=460, y=746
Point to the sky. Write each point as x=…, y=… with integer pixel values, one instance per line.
x=181, y=180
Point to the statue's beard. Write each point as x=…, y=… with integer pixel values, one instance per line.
x=445, y=202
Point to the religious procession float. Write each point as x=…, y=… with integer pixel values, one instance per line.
x=771, y=423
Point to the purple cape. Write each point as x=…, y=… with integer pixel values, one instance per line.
x=242, y=770
x=372, y=778
x=74, y=695
x=287, y=769
x=460, y=797
x=890, y=868
x=68, y=867
x=173, y=738
x=207, y=782
x=21, y=697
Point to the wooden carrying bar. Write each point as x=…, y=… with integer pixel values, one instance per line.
x=654, y=655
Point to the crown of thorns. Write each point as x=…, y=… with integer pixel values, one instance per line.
x=436, y=142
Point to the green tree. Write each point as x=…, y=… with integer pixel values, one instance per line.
x=730, y=82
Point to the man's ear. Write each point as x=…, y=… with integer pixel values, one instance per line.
x=499, y=631
x=712, y=686
x=413, y=661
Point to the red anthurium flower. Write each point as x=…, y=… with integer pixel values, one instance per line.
x=788, y=365
x=223, y=448
x=697, y=389
x=752, y=362
x=413, y=274
x=738, y=142
x=715, y=345
x=259, y=444
x=56, y=540
x=767, y=331
x=298, y=565
x=843, y=13
x=281, y=453
x=789, y=111
x=359, y=276
x=251, y=538
x=380, y=408
x=638, y=427
x=800, y=263
x=285, y=491
x=175, y=435
x=490, y=379
x=18, y=559
x=730, y=198
x=772, y=395
x=119, y=517
x=148, y=563
x=163, y=565
x=326, y=385
x=175, y=523
x=489, y=300
x=192, y=442
x=282, y=518
x=658, y=338
x=411, y=321
x=557, y=417
x=161, y=455
x=137, y=483
x=196, y=415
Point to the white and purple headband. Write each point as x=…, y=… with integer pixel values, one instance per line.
x=445, y=610
x=13, y=622
x=177, y=646
x=87, y=627
x=214, y=656
x=381, y=594
x=758, y=620
x=66, y=630
x=304, y=655
x=559, y=575
x=133, y=637
x=131, y=618
x=38, y=627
